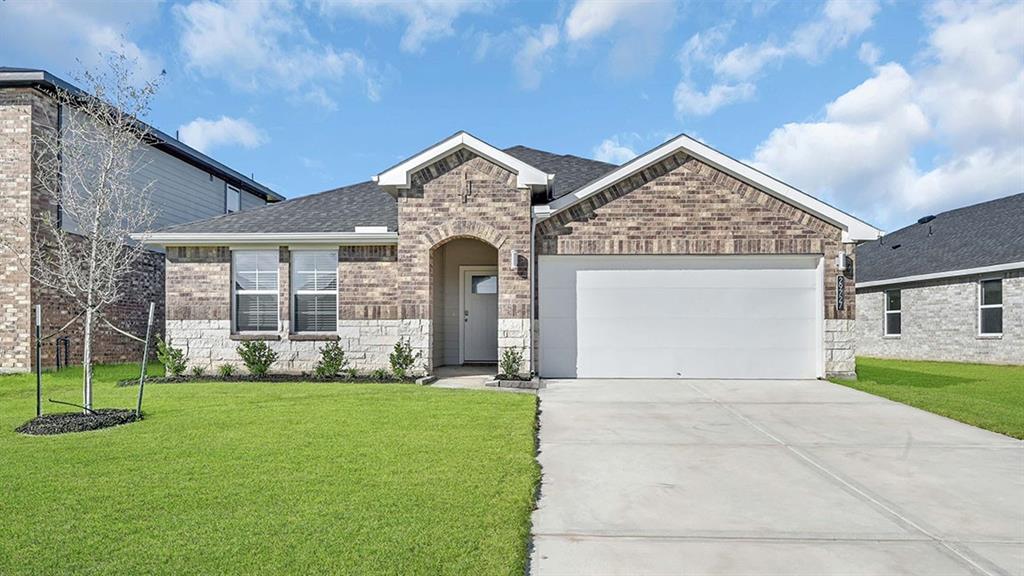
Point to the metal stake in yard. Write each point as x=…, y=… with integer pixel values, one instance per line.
x=145, y=357
x=39, y=363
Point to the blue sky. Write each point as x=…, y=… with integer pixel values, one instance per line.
x=889, y=110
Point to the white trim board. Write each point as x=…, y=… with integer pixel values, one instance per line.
x=526, y=175
x=946, y=274
x=290, y=238
x=854, y=230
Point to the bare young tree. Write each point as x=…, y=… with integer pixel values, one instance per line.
x=88, y=167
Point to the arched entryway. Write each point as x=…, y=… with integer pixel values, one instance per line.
x=464, y=302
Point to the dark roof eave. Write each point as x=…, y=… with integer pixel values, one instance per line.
x=165, y=143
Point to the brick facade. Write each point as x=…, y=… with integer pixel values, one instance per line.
x=678, y=206
x=26, y=116
x=684, y=206
x=940, y=322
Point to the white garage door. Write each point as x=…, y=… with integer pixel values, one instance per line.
x=680, y=316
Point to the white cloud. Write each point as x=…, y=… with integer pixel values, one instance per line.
x=254, y=45
x=690, y=101
x=426, y=20
x=735, y=71
x=611, y=150
x=533, y=55
x=636, y=30
x=869, y=53
x=52, y=34
x=867, y=152
x=205, y=135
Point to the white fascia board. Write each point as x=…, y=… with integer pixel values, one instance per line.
x=526, y=175
x=946, y=274
x=290, y=239
x=854, y=230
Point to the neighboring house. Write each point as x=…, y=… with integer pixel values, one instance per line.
x=950, y=287
x=680, y=263
x=187, y=186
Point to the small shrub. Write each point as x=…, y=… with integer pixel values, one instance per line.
x=225, y=370
x=511, y=362
x=402, y=358
x=332, y=361
x=380, y=374
x=172, y=358
x=198, y=371
x=257, y=356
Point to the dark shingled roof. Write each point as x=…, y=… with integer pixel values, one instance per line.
x=571, y=172
x=984, y=234
x=365, y=204
x=337, y=210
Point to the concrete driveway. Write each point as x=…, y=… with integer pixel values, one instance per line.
x=768, y=477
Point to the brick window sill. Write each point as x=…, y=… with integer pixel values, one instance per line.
x=891, y=336
x=313, y=337
x=990, y=336
x=252, y=337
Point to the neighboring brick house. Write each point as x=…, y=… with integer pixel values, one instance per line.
x=950, y=287
x=187, y=185
x=680, y=263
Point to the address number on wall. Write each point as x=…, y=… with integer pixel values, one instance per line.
x=840, y=292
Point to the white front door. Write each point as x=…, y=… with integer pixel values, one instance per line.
x=480, y=314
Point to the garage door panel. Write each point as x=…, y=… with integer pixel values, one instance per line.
x=680, y=316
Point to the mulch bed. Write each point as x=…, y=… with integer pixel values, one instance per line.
x=49, y=424
x=267, y=378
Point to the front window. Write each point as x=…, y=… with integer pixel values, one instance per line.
x=232, y=199
x=315, y=290
x=893, y=313
x=990, y=308
x=255, y=290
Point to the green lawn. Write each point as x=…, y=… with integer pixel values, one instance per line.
x=990, y=397
x=246, y=478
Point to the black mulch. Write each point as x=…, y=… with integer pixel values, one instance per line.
x=49, y=424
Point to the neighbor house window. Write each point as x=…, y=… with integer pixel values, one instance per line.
x=990, y=307
x=314, y=290
x=893, y=315
x=232, y=199
x=255, y=290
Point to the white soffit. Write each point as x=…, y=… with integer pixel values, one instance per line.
x=854, y=230
x=526, y=175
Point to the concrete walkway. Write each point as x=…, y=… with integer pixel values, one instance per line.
x=762, y=477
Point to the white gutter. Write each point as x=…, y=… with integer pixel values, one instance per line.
x=290, y=238
x=946, y=274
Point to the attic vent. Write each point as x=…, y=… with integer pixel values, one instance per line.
x=926, y=219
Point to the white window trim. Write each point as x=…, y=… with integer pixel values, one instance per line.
x=887, y=312
x=982, y=306
x=294, y=292
x=276, y=292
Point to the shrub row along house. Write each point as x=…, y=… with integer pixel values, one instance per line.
x=680, y=263
x=950, y=287
x=187, y=186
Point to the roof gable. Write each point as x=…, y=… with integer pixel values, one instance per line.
x=853, y=229
x=527, y=176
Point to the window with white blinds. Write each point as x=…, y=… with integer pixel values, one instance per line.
x=314, y=286
x=254, y=282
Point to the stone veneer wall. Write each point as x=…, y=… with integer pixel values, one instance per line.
x=940, y=322
x=27, y=115
x=684, y=206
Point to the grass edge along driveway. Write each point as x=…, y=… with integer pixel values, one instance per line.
x=269, y=478
x=983, y=395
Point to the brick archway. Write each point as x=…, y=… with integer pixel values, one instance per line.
x=477, y=230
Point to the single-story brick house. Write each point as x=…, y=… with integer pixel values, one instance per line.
x=680, y=263
x=950, y=287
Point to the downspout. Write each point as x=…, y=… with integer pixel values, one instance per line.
x=533, y=281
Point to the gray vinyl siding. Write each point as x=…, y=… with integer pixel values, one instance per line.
x=250, y=200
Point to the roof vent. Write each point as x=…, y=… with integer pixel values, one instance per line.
x=895, y=246
x=926, y=219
